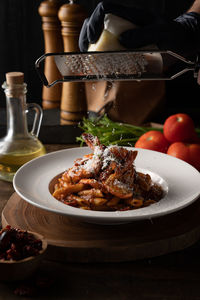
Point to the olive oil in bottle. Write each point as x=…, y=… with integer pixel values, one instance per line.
x=19, y=145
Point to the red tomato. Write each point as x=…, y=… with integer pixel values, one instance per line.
x=195, y=155
x=187, y=152
x=179, y=128
x=153, y=140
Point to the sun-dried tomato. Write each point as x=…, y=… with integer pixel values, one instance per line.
x=16, y=244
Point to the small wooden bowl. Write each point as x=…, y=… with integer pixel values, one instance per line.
x=13, y=270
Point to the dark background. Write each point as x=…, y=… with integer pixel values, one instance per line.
x=21, y=43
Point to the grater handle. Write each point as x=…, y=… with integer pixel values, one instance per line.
x=39, y=69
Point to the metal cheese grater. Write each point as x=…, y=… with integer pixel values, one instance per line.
x=116, y=66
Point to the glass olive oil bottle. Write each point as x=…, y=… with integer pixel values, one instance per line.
x=19, y=145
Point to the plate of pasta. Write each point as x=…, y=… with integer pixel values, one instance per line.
x=108, y=185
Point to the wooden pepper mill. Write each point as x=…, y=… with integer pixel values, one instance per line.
x=53, y=42
x=73, y=100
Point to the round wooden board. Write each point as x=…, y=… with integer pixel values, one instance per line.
x=73, y=241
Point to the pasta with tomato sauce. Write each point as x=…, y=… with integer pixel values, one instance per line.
x=106, y=180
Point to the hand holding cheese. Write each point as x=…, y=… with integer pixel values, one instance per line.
x=124, y=18
x=180, y=35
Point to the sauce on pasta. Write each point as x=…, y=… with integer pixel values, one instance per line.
x=106, y=180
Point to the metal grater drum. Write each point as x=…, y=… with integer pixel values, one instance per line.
x=105, y=64
x=115, y=66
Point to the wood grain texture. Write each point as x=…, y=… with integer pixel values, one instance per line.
x=51, y=27
x=73, y=241
x=73, y=100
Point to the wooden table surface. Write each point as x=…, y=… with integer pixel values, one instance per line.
x=174, y=276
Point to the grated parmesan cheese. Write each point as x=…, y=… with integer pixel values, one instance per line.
x=121, y=185
x=92, y=164
x=100, y=159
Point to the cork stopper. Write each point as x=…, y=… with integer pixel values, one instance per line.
x=14, y=78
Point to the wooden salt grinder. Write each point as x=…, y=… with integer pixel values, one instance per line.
x=53, y=42
x=73, y=100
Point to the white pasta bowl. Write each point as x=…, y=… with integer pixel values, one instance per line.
x=179, y=180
